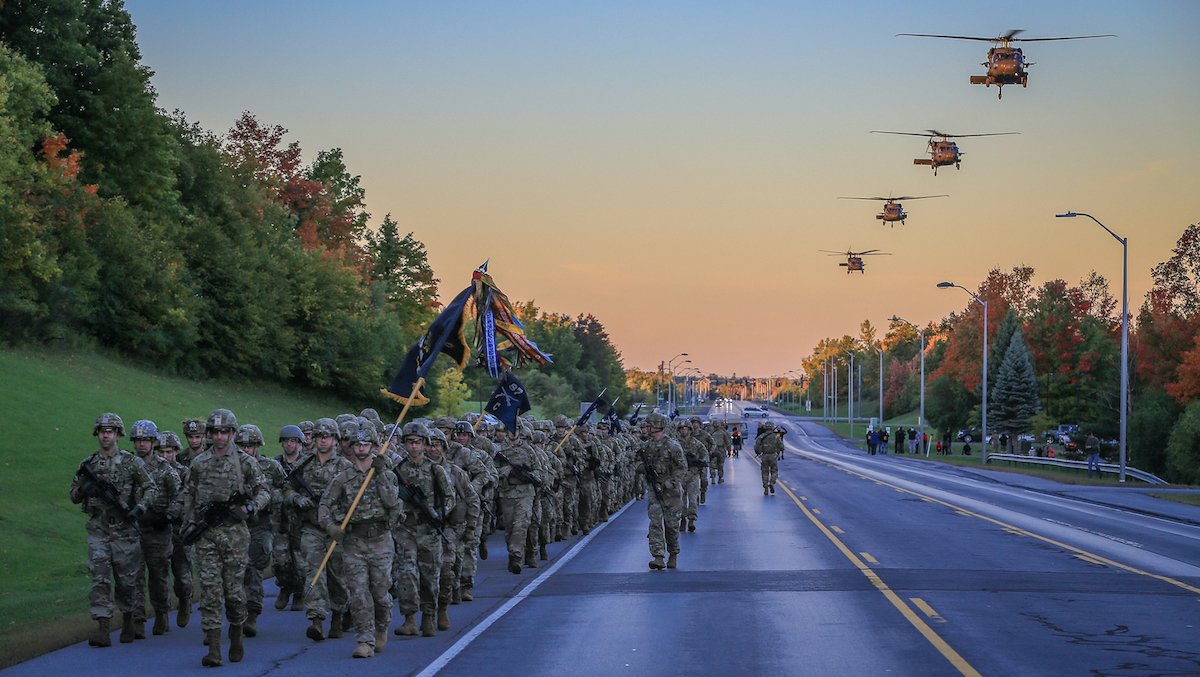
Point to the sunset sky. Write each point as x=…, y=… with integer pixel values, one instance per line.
x=672, y=167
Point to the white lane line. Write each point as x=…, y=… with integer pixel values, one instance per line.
x=463, y=642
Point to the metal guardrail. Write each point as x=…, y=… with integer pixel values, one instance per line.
x=1078, y=465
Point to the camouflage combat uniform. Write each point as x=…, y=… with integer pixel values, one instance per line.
x=768, y=448
x=517, y=493
x=157, y=539
x=663, y=464
x=329, y=593
x=418, y=544
x=696, y=455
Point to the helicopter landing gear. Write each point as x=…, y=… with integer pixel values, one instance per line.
x=999, y=93
x=957, y=166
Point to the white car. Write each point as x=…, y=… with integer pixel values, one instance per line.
x=749, y=411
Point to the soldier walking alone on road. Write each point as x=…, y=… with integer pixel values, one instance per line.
x=769, y=447
x=664, y=466
x=114, y=489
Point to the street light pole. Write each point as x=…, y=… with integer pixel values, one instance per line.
x=947, y=285
x=921, y=420
x=1124, y=329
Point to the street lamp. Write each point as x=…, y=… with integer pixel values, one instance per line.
x=671, y=391
x=947, y=285
x=879, y=350
x=921, y=421
x=1124, y=328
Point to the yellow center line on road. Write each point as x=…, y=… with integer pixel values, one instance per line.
x=867, y=556
x=836, y=528
x=942, y=646
x=1018, y=531
x=926, y=609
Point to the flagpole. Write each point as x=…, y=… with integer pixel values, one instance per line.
x=361, y=490
x=576, y=424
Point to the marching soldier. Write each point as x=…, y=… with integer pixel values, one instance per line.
x=367, y=543
x=155, y=528
x=663, y=464
x=768, y=448
x=224, y=488
x=285, y=547
x=263, y=525
x=181, y=555
x=517, y=487
x=722, y=443
x=460, y=526
x=101, y=484
x=696, y=456
x=193, y=432
x=480, y=468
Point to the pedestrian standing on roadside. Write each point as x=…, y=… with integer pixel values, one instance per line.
x=1091, y=447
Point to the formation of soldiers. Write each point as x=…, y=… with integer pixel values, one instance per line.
x=422, y=501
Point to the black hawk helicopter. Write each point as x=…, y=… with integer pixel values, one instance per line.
x=854, y=259
x=1005, y=64
x=942, y=151
x=893, y=211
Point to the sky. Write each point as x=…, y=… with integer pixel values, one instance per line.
x=673, y=167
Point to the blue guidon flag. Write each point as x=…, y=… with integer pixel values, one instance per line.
x=444, y=336
x=509, y=400
x=587, y=413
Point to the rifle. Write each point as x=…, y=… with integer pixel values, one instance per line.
x=523, y=472
x=296, y=479
x=415, y=496
x=651, y=475
x=105, y=490
x=211, y=515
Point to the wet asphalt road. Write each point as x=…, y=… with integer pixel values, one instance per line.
x=858, y=565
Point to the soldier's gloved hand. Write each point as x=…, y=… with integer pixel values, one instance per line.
x=243, y=512
x=380, y=465
x=303, y=502
x=336, y=532
x=89, y=488
x=136, y=511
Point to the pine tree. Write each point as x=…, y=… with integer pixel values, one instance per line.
x=1014, y=398
x=998, y=345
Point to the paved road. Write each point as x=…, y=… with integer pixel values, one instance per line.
x=858, y=565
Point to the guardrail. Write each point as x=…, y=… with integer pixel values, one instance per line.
x=1078, y=465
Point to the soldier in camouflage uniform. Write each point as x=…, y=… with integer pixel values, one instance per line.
x=706, y=441
x=517, y=486
x=461, y=528
x=263, y=524
x=722, y=443
x=193, y=432
x=367, y=543
x=226, y=482
x=309, y=441
x=663, y=464
x=768, y=448
x=588, y=492
x=113, y=507
x=429, y=496
x=571, y=455
x=696, y=456
x=181, y=555
x=482, y=474
x=155, y=528
x=286, y=557
x=304, y=493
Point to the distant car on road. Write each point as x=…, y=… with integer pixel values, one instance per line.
x=750, y=411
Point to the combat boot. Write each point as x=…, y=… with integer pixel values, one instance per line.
x=127, y=635
x=316, y=631
x=363, y=650
x=772, y=488
x=691, y=524
x=335, y=625
x=250, y=627
x=672, y=560
x=103, y=634
x=542, y=552
x=281, y=601
x=380, y=640
x=466, y=594
x=427, y=625
x=530, y=560
x=483, y=553
x=703, y=497
x=161, y=625
x=185, y=612
x=657, y=563
x=139, y=629
x=297, y=602
x=443, y=622
x=765, y=491
x=236, y=650
x=213, y=659
x=514, y=563
x=409, y=628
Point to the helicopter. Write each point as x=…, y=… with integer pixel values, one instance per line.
x=854, y=259
x=942, y=151
x=1005, y=63
x=893, y=211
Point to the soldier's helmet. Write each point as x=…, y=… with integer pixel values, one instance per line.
x=539, y=437
x=766, y=425
x=463, y=427
x=144, y=429
x=369, y=413
x=444, y=423
x=436, y=435
x=325, y=426
x=348, y=429
x=367, y=433
x=306, y=427
x=109, y=420
x=561, y=421
x=291, y=432
x=695, y=419
x=193, y=426
x=169, y=440
x=656, y=421
x=221, y=419
x=415, y=429
x=249, y=435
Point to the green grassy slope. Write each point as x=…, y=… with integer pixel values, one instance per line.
x=50, y=402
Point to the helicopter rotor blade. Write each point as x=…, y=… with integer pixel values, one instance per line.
x=866, y=198
x=1014, y=32
x=878, y=131
x=963, y=136
x=831, y=252
x=1069, y=37
x=918, y=197
x=948, y=37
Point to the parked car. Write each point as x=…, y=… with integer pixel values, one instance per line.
x=969, y=435
x=750, y=411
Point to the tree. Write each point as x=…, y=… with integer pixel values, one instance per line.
x=447, y=392
x=948, y=404
x=998, y=344
x=400, y=266
x=1015, y=396
x=1183, y=447
x=1150, y=423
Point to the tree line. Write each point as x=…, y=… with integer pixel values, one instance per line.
x=129, y=228
x=1054, y=357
